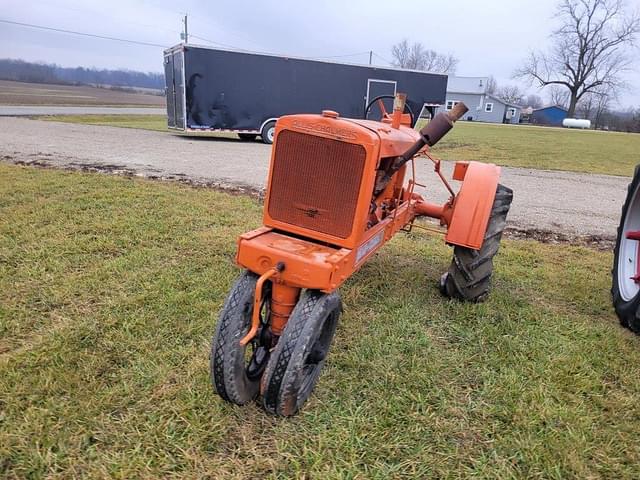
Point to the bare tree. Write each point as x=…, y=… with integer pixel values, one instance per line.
x=510, y=94
x=492, y=85
x=401, y=53
x=595, y=106
x=586, y=106
x=417, y=57
x=602, y=107
x=558, y=96
x=589, y=50
x=623, y=120
x=533, y=101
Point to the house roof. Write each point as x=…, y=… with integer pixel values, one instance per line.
x=477, y=85
x=508, y=104
x=551, y=106
x=488, y=95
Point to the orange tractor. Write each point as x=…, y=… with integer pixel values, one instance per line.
x=336, y=193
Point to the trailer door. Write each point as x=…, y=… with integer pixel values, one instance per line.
x=178, y=81
x=170, y=90
x=376, y=88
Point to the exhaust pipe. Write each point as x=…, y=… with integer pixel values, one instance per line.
x=429, y=135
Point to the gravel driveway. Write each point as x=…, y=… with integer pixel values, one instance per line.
x=569, y=204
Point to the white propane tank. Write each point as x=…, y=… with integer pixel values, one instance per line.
x=576, y=123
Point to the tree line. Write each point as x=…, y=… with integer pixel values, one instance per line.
x=589, y=52
x=582, y=70
x=22, y=71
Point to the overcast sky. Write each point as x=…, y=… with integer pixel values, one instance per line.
x=489, y=37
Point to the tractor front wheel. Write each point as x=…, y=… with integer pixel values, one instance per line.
x=469, y=276
x=296, y=362
x=236, y=370
x=625, y=288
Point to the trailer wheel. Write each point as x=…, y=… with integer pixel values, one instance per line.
x=625, y=289
x=236, y=370
x=296, y=362
x=268, y=132
x=469, y=276
x=247, y=136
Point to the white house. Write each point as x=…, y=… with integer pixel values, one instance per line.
x=483, y=107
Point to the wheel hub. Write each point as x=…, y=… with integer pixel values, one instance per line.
x=635, y=235
x=629, y=251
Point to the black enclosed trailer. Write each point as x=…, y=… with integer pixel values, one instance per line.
x=220, y=90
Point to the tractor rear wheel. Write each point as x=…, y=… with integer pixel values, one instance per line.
x=236, y=370
x=296, y=362
x=469, y=276
x=625, y=288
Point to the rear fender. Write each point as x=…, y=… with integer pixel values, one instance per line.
x=472, y=206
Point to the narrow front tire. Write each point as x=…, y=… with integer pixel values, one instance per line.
x=295, y=364
x=236, y=369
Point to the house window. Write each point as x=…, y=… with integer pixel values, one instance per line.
x=488, y=107
x=451, y=104
x=512, y=112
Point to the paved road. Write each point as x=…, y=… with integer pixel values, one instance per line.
x=24, y=110
x=568, y=203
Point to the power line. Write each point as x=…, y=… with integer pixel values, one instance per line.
x=104, y=37
x=382, y=58
x=94, y=13
x=345, y=55
x=149, y=44
x=233, y=47
x=222, y=44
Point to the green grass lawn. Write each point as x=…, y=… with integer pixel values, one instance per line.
x=610, y=153
x=156, y=123
x=109, y=292
x=545, y=148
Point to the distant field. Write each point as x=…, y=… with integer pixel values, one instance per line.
x=20, y=93
x=544, y=148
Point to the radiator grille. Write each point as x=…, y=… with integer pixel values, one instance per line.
x=315, y=182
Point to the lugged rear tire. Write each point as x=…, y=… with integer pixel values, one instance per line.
x=626, y=299
x=469, y=276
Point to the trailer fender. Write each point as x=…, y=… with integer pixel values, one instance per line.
x=272, y=119
x=472, y=206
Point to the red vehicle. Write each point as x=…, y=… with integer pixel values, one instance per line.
x=625, y=288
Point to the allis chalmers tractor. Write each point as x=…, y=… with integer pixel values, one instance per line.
x=336, y=194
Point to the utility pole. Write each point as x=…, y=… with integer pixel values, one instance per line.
x=185, y=33
x=370, y=56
